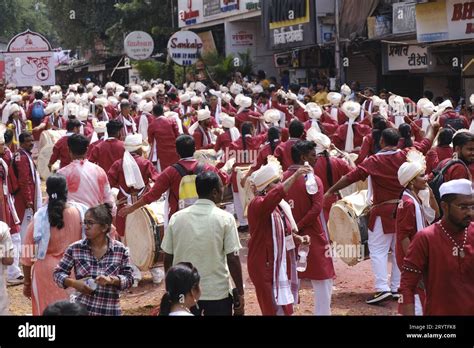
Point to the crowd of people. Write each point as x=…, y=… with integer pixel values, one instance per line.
x=228, y=159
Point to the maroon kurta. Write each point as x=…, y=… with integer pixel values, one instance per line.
x=170, y=179
x=260, y=255
x=5, y=211
x=366, y=150
x=117, y=180
x=283, y=153
x=61, y=153
x=223, y=141
x=106, y=153
x=199, y=135
x=452, y=115
x=448, y=278
x=457, y=171
x=437, y=155
x=245, y=158
x=339, y=168
x=360, y=131
x=247, y=116
x=26, y=183
x=264, y=151
x=327, y=125
x=405, y=226
x=306, y=210
x=383, y=169
x=162, y=132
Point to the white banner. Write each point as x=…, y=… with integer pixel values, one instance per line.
x=407, y=57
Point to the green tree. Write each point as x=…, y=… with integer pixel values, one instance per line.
x=17, y=16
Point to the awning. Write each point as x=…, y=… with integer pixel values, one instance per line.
x=353, y=16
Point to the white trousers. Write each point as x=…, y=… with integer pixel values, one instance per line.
x=379, y=245
x=322, y=290
x=14, y=271
x=239, y=210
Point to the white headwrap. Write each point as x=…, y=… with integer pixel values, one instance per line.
x=131, y=170
x=414, y=165
x=352, y=111
x=323, y=143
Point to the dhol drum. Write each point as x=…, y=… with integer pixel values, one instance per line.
x=348, y=228
x=43, y=161
x=245, y=193
x=50, y=137
x=144, y=232
x=206, y=156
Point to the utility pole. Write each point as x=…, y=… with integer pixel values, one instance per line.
x=337, y=56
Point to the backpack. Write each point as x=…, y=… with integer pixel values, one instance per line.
x=187, y=187
x=37, y=112
x=455, y=123
x=438, y=178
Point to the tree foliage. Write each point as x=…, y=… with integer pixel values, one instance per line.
x=17, y=16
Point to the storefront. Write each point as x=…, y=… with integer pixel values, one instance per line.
x=297, y=34
x=228, y=27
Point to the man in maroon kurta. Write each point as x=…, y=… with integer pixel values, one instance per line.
x=61, y=149
x=106, y=153
x=261, y=259
x=170, y=179
x=443, y=256
x=162, y=135
x=306, y=209
x=360, y=131
x=382, y=168
x=25, y=171
x=117, y=179
x=441, y=152
x=463, y=144
x=283, y=151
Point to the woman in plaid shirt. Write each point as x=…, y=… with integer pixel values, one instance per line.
x=99, y=262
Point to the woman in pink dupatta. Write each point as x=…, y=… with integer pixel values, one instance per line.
x=272, y=252
x=64, y=226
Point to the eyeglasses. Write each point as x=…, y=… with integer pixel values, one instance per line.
x=463, y=207
x=89, y=223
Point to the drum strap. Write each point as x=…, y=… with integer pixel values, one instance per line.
x=392, y=201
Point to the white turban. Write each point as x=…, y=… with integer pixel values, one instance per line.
x=131, y=170
x=266, y=175
x=184, y=98
x=227, y=121
x=323, y=143
x=314, y=111
x=272, y=116
x=334, y=98
x=53, y=108
x=346, y=90
x=203, y=115
x=352, y=111
x=414, y=166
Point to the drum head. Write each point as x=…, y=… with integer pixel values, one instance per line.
x=344, y=232
x=50, y=137
x=43, y=161
x=140, y=238
x=245, y=193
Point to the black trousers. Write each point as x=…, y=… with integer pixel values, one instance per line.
x=214, y=308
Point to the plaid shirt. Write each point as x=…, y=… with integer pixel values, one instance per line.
x=116, y=262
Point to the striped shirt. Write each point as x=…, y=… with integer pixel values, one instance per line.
x=105, y=300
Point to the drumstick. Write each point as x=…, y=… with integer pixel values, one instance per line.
x=345, y=155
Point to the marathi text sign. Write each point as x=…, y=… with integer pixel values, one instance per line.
x=407, y=57
x=29, y=61
x=30, y=69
